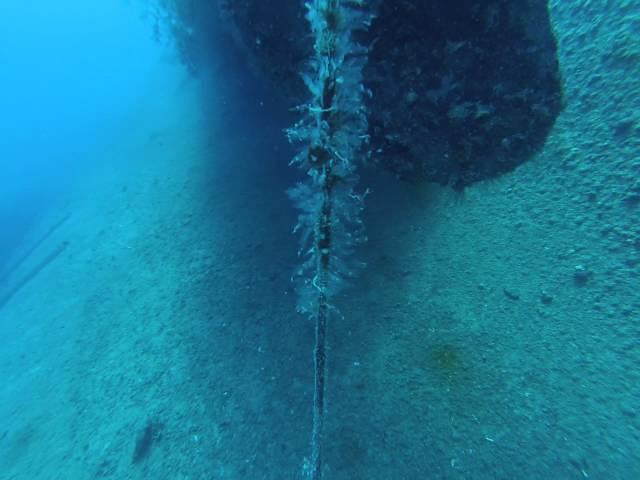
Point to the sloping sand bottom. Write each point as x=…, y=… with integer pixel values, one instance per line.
x=147, y=347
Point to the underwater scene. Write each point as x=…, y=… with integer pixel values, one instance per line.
x=321, y=239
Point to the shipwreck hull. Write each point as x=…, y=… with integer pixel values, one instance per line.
x=459, y=90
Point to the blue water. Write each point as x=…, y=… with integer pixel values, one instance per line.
x=148, y=324
x=71, y=70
